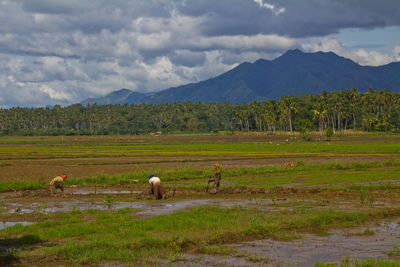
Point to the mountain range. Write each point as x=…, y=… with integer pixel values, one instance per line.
x=293, y=73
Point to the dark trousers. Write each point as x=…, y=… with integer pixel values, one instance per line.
x=159, y=191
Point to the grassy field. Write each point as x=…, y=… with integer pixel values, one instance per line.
x=323, y=174
x=348, y=182
x=41, y=158
x=120, y=236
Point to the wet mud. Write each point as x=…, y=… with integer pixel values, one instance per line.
x=144, y=208
x=21, y=208
x=307, y=251
x=138, y=198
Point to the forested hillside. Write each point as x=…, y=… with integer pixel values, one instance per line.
x=293, y=73
x=339, y=110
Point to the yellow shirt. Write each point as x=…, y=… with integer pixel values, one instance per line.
x=57, y=179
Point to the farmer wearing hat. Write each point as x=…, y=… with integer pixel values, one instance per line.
x=156, y=187
x=215, y=180
x=57, y=182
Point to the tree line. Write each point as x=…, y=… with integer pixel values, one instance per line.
x=337, y=110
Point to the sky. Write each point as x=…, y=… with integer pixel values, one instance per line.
x=64, y=51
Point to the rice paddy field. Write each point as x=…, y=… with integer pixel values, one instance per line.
x=283, y=201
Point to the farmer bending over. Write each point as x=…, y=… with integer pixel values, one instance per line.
x=216, y=179
x=57, y=182
x=156, y=187
x=217, y=175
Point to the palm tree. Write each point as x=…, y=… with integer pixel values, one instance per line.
x=288, y=108
x=355, y=100
x=321, y=114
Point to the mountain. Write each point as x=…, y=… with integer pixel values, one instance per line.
x=295, y=72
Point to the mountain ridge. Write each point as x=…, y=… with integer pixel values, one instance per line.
x=293, y=73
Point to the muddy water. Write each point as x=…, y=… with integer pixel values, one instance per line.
x=84, y=191
x=307, y=251
x=146, y=208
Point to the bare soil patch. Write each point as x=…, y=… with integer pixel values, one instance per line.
x=33, y=170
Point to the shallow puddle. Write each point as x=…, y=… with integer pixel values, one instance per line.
x=8, y=224
x=146, y=208
x=84, y=191
x=308, y=250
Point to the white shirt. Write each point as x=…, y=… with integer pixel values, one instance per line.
x=154, y=180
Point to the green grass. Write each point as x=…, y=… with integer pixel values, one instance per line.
x=166, y=146
x=361, y=263
x=118, y=236
x=21, y=185
x=333, y=174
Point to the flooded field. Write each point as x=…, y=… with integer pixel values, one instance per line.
x=306, y=251
x=337, y=202
x=8, y=224
x=335, y=248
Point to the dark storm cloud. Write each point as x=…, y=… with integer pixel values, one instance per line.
x=323, y=17
x=53, y=6
x=52, y=50
x=299, y=18
x=222, y=17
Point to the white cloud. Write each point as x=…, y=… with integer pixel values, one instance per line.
x=242, y=42
x=396, y=52
x=361, y=56
x=271, y=7
x=65, y=51
x=53, y=94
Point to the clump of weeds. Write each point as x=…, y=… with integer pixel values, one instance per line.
x=256, y=258
x=42, y=207
x=363, y=195
x=369, y=232
x=253, y=258
x=366, y=197
x=29, y=239
x=216, y=249
x=300, y=163
x=395, y=253
x=110, y=201
x=2, y=209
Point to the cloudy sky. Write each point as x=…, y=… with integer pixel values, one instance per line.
x=63, y=51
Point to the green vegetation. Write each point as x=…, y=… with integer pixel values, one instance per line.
x=253, y=177
x=188, y=149
x=334, y=111
x=116, y=235
x=395, y=253
x=292, y=187
x=21, y=185
x=361, y=263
